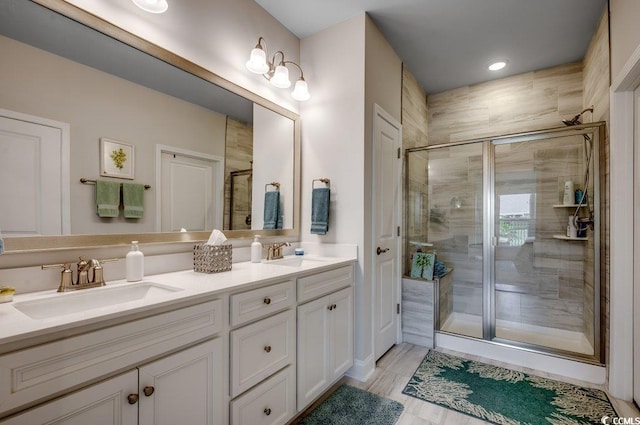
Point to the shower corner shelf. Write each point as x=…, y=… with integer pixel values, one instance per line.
x=569, y=206
x=567, y=238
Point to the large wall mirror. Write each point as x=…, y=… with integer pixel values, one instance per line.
x=75, y=98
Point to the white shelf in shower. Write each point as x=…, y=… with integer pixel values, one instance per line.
x=567, y=238
x=569, y=206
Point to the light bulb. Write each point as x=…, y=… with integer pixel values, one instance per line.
x=301, y=91
x=280, y=77
x=497, y=66
x=152, y=6
x=257, y=62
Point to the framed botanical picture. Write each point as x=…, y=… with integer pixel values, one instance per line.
x=117, y=159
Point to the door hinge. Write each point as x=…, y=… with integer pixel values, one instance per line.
x=398, y=230
x=397, y=308
x=399, y=151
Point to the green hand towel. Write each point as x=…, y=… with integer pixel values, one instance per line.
x=133, y=200
x=107, y=198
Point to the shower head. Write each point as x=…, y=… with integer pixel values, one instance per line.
x=576, y=120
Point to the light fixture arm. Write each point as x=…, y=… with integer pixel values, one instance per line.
x=297, y=66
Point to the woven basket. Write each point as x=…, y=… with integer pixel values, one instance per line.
x=211, y=258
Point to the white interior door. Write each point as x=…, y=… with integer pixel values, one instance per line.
x=35, y=153
x=188, y=193
x=387, y=136
x=636, y=251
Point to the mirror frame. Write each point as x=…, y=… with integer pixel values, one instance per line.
x=64, y=242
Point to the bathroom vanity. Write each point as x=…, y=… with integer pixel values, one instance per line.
x=255, y=345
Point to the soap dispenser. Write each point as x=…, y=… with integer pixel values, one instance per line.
x=135, y=263
x=256, y=250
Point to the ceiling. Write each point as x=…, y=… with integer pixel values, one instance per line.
x=449, y=43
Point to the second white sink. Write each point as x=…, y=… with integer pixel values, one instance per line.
x=90, y=299
x=296, y=261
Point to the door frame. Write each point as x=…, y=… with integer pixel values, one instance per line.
x=218, y=174
x=621, y=219
x=381, y=113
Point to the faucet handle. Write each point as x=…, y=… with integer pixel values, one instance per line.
x=66, y=277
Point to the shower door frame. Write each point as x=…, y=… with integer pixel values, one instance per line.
x=489, y=239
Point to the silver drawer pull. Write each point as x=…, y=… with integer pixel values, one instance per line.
x=267, y=348
x=267, y=301
x=267, y=411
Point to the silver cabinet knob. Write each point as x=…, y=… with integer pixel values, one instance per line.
x=148, y=390
x=132, y=398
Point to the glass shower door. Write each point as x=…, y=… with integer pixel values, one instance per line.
x=445, y=215
x=541, y=275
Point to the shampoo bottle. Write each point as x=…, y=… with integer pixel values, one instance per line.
x=256, y=250
x=569, y=195
x=135, y=263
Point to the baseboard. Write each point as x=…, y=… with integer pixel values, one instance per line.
x=362, y=370
x=545, y=363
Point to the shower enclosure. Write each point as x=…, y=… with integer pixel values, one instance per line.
x=495, y=214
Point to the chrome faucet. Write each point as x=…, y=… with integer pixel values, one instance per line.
x=275, y=250
x=84, y=279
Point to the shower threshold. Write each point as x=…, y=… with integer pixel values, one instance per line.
x=560, y=339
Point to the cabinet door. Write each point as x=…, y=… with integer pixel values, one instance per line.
x=104, y=403
x=184, y=388
x=341, y=333
x=313, y=341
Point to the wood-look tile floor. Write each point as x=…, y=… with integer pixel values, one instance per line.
x=396, y=367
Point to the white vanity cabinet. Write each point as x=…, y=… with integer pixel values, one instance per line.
x=104, y=403
x=181, y=381
x=263, y=355
x=181, y=388
x=325, y=332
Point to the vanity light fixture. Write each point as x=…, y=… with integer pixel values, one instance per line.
x=498, y=65
x=276, y=71
x=152, y=6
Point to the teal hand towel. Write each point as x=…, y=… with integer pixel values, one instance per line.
x=107, y=198
x=1, y=244
x=133, y=200
x=320, y=210
x=271, y=209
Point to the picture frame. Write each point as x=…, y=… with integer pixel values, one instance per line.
x=117, y=159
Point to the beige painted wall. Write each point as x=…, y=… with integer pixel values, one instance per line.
x=625, y=36
x=218, y=35
x=97, y=105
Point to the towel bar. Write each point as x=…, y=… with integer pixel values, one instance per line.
x=89, y=181
x=274, y=184
x=322, y=180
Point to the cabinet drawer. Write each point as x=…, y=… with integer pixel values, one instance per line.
x=46, y=370
x=316, y=285
x=261, y=302
x=270, y=403
x=260, y=349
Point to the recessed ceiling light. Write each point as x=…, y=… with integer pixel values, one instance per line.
x=496, y=66
x=152, y=6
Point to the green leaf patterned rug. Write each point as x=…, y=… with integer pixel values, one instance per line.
x=353, y=406
x=504, y=396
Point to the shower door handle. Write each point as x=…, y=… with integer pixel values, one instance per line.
x=381, y=251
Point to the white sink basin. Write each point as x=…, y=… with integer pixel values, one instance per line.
x=297, y=261
x=90, y=299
